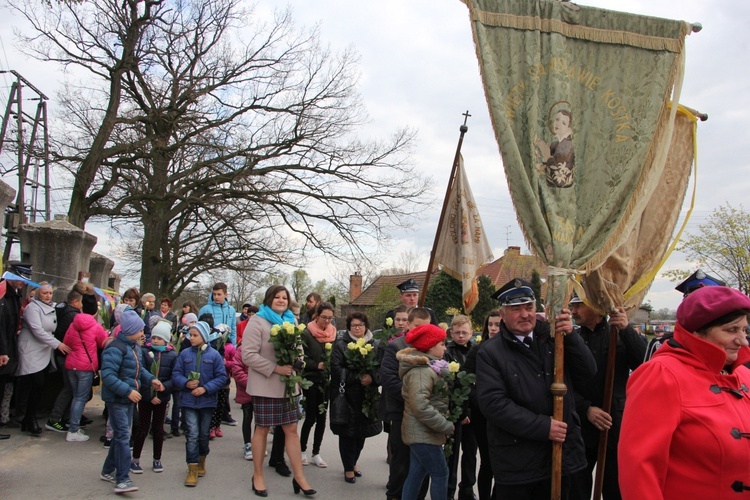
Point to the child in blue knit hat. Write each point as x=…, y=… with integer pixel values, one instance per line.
x=198, y=374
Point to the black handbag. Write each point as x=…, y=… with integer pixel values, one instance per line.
x=340, y=409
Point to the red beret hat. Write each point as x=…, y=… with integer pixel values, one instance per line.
x=709, y=303
x=425, y=337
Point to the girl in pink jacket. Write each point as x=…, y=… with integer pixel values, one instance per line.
x=84, y=337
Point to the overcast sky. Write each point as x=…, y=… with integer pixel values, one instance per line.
x=419, y=69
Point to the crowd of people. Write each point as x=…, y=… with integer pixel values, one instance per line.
x=159, y=368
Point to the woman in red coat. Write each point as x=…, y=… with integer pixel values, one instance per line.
x=686, y=428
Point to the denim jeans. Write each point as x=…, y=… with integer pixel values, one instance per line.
x=198, y=422
x=426, y=459
x=118, y=458
x=80, y=385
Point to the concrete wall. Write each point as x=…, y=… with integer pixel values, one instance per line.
x=100, y=268
x=57, y=251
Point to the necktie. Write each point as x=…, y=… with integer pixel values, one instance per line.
x=527, y=341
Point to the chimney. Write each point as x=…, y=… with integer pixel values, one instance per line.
x=513, y=251
x=355, y=286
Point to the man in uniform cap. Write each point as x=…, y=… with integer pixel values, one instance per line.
x=410, y=298
x=695, y=281
x=515, y=369
x=631, y=348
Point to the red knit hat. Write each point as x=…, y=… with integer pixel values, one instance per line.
x=709, y=303
x=425, y=337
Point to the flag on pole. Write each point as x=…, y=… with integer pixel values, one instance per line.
x=462, y=247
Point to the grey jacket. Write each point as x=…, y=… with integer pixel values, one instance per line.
x=36, y=341
x=424, y=408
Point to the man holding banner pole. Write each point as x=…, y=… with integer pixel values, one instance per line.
x=514, y=372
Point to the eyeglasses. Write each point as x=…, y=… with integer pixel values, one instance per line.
x=326, y=318
x=358, y=325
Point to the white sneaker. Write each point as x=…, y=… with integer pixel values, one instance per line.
x=318, y=460
x=77, y=436
x=304, y=458
x=248, y=451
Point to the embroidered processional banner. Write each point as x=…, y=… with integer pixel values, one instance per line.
x=578, y=99
x=463, y=247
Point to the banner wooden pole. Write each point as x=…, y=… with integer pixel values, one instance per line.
x=463, y=129
x=609, y=381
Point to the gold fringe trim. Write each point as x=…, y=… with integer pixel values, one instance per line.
x=581, y=32
x=646, y=279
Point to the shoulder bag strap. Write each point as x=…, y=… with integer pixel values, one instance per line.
x=86, y=351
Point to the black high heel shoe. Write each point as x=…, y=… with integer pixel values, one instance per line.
x=297, y=489
x=357, y=473
x=260, y=493
x=350, y=480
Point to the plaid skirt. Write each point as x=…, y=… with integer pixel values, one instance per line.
x=270, y=412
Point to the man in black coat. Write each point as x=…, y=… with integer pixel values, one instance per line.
x=10, y=317
x=515, y=369
x=631, y=348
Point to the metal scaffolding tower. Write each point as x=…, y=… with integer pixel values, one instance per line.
x=28, y=138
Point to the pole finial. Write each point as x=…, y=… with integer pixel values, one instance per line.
x=463, y=127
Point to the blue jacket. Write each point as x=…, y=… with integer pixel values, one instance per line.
x=123, y=370
x=166, y=366
x=213, y=377
x=222, y=313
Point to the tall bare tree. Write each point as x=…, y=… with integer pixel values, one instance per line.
x=721, y=247
x=223, y=143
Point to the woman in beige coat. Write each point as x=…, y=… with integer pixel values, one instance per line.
x=36, y=343
x=264, y=384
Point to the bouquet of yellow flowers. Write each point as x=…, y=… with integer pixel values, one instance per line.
x=287, y=342
x=455, y=384
x=360, y=360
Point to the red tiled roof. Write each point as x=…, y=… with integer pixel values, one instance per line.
x=511, y=265
x=370, y=294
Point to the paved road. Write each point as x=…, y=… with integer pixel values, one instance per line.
x=48, y=467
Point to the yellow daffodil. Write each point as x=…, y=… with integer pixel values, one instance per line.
x=453, y=367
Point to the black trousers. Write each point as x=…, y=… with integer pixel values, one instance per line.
x=465, y=447
x=28, y=392
x=484, y=478
x=350, y=449
x=398, y=467
x=277, y=447
x=247, y=422
x=314, y=397
x=582, y=483
x=534, y=491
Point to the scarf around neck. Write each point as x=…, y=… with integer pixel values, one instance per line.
x=367, y=336
x=274, y=318
x=322, y=336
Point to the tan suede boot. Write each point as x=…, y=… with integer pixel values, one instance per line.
x=192, y=475
x=202, y=466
